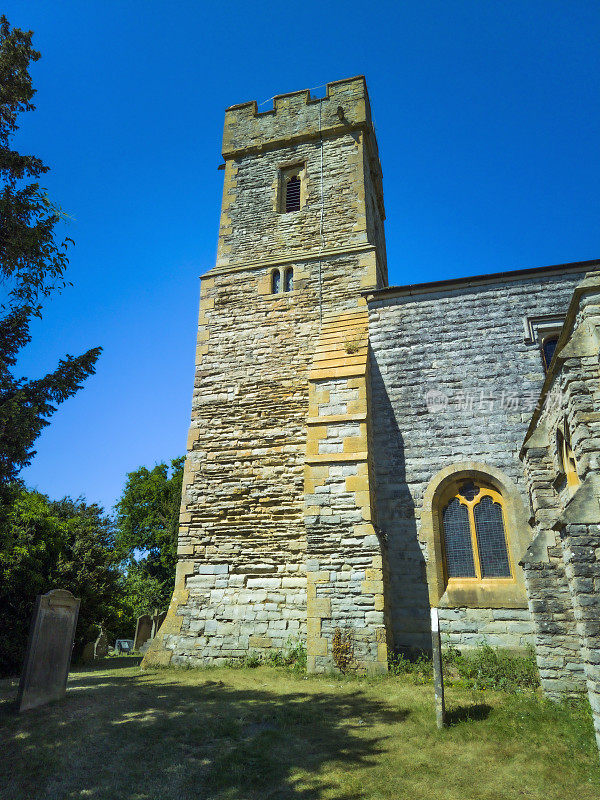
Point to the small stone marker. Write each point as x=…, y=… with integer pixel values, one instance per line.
x=143, y=631
x=88, y=653
x=48, y=656
x=101, y=646
x=438, y=675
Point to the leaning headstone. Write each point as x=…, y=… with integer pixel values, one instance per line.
x=159, y=619
x=143, y=631
x=48, y=656
x=101, y=646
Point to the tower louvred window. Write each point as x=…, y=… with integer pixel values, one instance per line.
x=292, y=194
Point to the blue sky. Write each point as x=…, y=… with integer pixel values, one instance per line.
x=488, y=125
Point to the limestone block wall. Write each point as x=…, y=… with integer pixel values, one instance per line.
x=345, y=556
x=255, y=229
x=297, y=116
x=342, y=196
x=556, y=640
x=454, y=378
x=242, y=532
x=581, y=546
x=497, y=627
x=242, y=574
x=561, y=457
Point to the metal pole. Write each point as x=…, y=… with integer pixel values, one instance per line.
x=438, y=675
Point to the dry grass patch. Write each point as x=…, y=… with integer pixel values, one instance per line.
x=269, y=733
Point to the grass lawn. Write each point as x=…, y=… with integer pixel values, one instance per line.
x=271, y=734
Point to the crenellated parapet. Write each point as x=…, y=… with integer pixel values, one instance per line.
x=297, y=116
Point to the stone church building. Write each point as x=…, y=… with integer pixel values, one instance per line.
x=360, y=452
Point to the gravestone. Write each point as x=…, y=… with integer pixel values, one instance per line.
x=101, y=646
x=88, y=652
x=48, y=656
x=143, y=631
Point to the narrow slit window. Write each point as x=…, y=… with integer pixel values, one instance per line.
x=276, y=282
x=567, y=460
x=288, y=283
x=548, y=349
x=292, y=194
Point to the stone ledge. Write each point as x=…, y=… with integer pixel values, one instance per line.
x=301, y=255
x=332, y=418
x=330, y=458
x=338, y=372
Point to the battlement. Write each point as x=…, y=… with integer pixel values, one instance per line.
x=297, y=116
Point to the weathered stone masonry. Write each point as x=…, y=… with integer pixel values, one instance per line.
x=331, y=418
x=248, y=542
x=561, y=456
x=345, y=558
x=466, y=341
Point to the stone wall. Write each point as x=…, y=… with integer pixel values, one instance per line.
x=561, y=456
x=242, y=573
x=581, y=547
x=454, y=378
x=345, y=556
x=319, y=434
x=497, y=627
x=556, y=640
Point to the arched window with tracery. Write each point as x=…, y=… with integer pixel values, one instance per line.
x=474, y=532
x=288, y=281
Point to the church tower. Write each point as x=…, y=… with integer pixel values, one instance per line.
x=277, y=543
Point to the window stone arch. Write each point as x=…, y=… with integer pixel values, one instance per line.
x=482, y=593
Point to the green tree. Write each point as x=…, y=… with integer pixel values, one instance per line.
x=31, y=540
x=146, y=538
x=32, y=265
x=88, y=567
x=48, y=544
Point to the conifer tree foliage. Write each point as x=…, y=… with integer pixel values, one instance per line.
x=32, y=266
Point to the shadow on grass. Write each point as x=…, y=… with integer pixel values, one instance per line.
x=148, y=736
x=479, y=711
x=110, y=662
